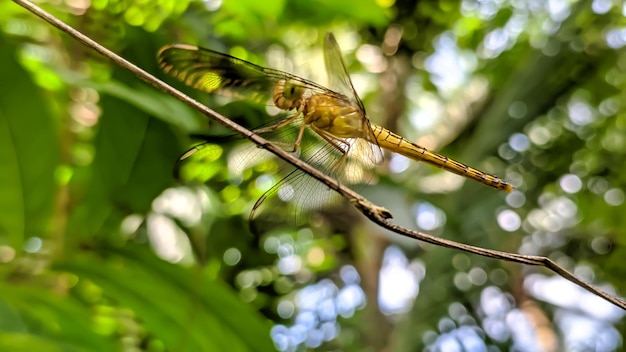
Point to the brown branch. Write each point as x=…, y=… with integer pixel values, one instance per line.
x=375, y=213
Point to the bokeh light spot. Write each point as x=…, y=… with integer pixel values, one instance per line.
x=519, y=142
x=33, y=245
x=509, y=220
x=570, y=183
x=7, y=254
x=518, y=109
x=232, y=256
x=462, y=281
x=614, y=196
x=515, y=199
x=601, y=245
x=285, y=309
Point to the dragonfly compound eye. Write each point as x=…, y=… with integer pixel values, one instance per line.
x=293, y=90
x=288, y=94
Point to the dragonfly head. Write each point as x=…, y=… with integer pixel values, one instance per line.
x=288, y=94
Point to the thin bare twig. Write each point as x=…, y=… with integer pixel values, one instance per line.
x=377, y=214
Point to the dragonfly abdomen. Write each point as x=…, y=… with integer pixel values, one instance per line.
x=398, y=144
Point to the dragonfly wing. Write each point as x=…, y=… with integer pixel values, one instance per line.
x=339, y=80
x=338, y=77
x=363, y=156
x=295, y=198
x=217, y=73
x=198, y=164
x=201, y=162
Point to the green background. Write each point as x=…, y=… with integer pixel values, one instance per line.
x=102, y=249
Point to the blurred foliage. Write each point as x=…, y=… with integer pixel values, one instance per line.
x=101, y=248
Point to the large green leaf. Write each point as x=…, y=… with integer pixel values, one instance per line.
x=180, y=306
x=135, y=152
x=28, y=153
x=134, y=159
x=38, y=319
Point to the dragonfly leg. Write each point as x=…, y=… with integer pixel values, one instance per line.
x=280, y=124
x=295, y=145
x=337, y=143
x=330, y=138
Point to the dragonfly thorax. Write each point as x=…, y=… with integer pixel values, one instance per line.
x=337, y=116
x=288, y=94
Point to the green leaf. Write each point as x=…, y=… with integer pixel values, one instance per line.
x=134, y=160
x=156, y=104
x=36, y=318
x=181, y=306
x=28, y=154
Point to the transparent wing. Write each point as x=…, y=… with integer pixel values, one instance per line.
x=217, y=73
x=339, y=80
x=201, y=162
x=297, y=196
x=291, y=202
x=338, y=77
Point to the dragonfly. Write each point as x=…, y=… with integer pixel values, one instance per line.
x=336, y=115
